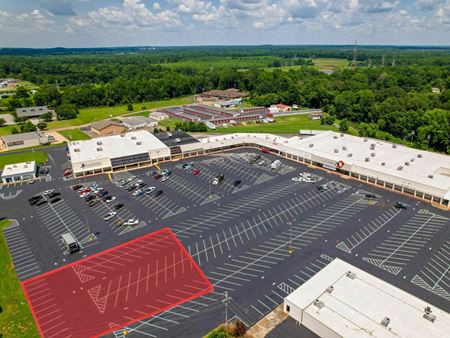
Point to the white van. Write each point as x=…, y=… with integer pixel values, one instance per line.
x=70, y=243
x=275, y=164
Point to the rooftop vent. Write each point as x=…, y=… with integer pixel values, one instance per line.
x=406, y=163
x=344, y=148
x=350, y=275
x=399, y=167
x=342, y=134
x=430, y=176
x=365, y=139
x=330, y=289
x=428, y=315
x=394, y=145
x=99, y=149
x=335, y=136
x=419, y=155
x=349, y=155
x=77, y=150
x=319, y=303
x=383, y=163
x=372, y=145
x=367, y=159
x=138, y=143
x=122, y=135
x=99, y=143
x=372, y=154
x=133, y=137
x=311, y=145
x=412, y=160
x=336, y=150
x=385, y=322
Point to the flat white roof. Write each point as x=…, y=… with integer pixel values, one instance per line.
x=136, y=142
x=357, y=305
x=19, y=169
x=385, y=158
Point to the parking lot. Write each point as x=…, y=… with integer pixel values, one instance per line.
x=258, y=233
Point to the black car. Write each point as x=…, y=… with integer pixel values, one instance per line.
x=44, y=171
x=118, y=206
x=102, y=193
x=400, y=205
x=322, y=188
x=53, y=194
x=76, y=187
x=159, y=192
x=130, y=188
x=41, y=202
x=370, y=195
x=89, y=198
x=237, y=183
x=55, y=200
x=34, y=198
x=93, y=202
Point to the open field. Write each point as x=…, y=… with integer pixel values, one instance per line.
x=282, y=125
x=74, y=134
x=38, y=156
x=226, y=62
x=16, y=319
x=329, y=63
x=7, y=130
x=88, y=115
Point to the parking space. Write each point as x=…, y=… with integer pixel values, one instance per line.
x=25, y=263
x=403, y=245
x=189, y=190
x=59, y=219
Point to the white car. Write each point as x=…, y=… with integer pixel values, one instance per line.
x=308, y=180
x=297, y=179
x=215, y=181
x=109, y=216
x=48, y=192
x=164, y=178
x=137, y=192
x=132, y=221
x=149, y=190
x=85, y=194
x=110, y=199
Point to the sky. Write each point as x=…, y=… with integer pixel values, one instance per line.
x=104, y=23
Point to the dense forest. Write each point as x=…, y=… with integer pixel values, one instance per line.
x=392, y=100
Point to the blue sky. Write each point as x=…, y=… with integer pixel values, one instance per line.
x=92, y=23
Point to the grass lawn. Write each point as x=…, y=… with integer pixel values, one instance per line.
x=170, y=122
x=6, y=130
x=38, y=156
x=16, y=319
x=329, y=63
x=74, y=134
x=282, y=125
x=88, y=115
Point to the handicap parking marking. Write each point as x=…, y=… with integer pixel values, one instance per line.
x=435, y=276
x=404, y=244
x=368, y=230
x=23, y=259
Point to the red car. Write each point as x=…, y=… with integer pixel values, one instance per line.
x=196, y=171
x=265, y=150
x=67, y=172
x=158, y=176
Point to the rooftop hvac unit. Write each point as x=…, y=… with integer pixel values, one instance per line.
x=342, y=134
x=419, y=155
x=372, y=145
x=373, y=154
x=349, y=155
x=319, y=303
x=99, y=143
x=430, y=176
x=344, y=148
x=365, y=139
x=350, y=275
x=99, y=149
x=394, y=145
x=330, y=289
x=311, y=145
x=406, y=163
x=138, y=143
x=399, y=168
x=336, y=150
x=385, y=322
x=335, y=136
x=133, y=137
x=77, y=150
x=428, y=315
x=367, y=159
x=383, y=163
x=412, y=160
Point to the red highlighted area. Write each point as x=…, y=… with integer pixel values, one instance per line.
x=115, y=288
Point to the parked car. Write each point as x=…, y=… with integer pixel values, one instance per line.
x=131, y=221
x=118, y=206
x=35, y=199
x=138, y=182
x=149, y=190
x=265, y=150
x=158, y=176
x=237, y=183
x=159, y=192
x=84, y=194
x=166, y=172
x=219, y=178
x=275, y=164
x=137, y=192
x=53, y=194
x=130, y=188
x=370, y=195
x=109, y=215
x=109, y=199
x=152, y=172
x=44, y=171
x=48, y=192
x=55, y=200
x=401, y=205
x=93, y=202
x=196, y=172
x=90, y=198
x=164, y=178
x=102, y=193
x=41, y=202
x=76, y=187
x=67, y=172
x=322, y=188
x=262, y=162
x=187, y=166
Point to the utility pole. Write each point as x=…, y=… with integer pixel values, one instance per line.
x=226, y=301
x=393, y=62
x=382, y=61
x=354, y=54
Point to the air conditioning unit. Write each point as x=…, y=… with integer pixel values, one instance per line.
x=385, y=322
x=138, y=143
x=372, y=154
x=99, y=149
x=394, y=145
x=351, y=275
x=344, y=148
x=407, y=163
x=336, y=151
x=335, y=136
x=367, y=159
x=365, y=139
x=383, y=163
x=419, y=155
x=311, y=145
x=349, y=155
x=399, y=168
x=430, y=176
x=330, y=289
x=99, y=143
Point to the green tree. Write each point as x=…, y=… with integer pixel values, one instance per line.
x=130, y=107
x=21, y=92
x=46, y=117
x=41, y=125
x=27, y=127
x=2, y=122
x=14, y=130
x=344, y=125
x=66, y=111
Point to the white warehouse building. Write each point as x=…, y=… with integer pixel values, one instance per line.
x=117, y=152
x=422, y=174
x=344, y=301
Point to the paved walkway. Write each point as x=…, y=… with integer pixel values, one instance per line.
x=267, y=323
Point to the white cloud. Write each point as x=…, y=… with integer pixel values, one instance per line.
x=24, y=22
x=443, y=12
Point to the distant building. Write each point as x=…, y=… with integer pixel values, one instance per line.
x=19, y=172
x=107, y=127
x=158, y=116
x=31, y=111
x=436, y=90
x=24, y=140
x=222, y=98
x=138, y=122
x=315, y=116
x=283, y=108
